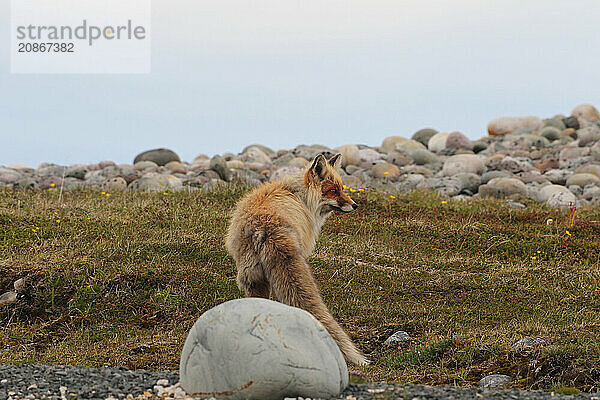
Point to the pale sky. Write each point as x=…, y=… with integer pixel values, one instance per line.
x=226, y=74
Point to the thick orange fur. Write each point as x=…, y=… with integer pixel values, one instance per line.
x=273, y=231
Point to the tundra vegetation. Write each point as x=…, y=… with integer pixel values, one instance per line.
x=118, y=279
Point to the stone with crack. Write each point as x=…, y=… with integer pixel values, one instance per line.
x=260, y=349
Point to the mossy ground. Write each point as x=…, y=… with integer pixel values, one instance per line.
x=118, y=280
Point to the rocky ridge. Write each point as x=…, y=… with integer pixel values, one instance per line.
x=554, y=160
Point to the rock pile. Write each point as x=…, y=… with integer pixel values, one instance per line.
x=555, y=160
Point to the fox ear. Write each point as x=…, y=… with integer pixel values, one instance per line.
x=336, y=160
x=319, y=166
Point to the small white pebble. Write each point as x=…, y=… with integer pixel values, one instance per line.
x=63, y=392
x=162, y=382
x=3, y=381
x=32, y=386
x=111, y=398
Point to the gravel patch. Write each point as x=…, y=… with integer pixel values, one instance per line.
x=58, y=382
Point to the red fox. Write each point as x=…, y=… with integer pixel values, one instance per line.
x=273, y=231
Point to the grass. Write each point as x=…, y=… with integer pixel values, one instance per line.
x=119, y=280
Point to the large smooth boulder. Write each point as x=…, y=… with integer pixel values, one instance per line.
x=585, y=113
x=152, y=181
x=583, y=179
x=505, y=125
x=350, y=155
x=159, y=156
x=457, y=140
x=508, y=186
x=408, y=146
x=550, y=190
x=437, y=142
x=385, y=169
x=423, y=135
x=463, y=163
x=423, y=156
x=390, y=142
x=260, y=349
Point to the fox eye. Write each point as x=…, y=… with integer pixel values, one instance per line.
x=333, y=191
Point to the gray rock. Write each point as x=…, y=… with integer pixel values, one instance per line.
x=527, y=343
x=19, y=284
x=583, y=179
x=479, y=146
x=515, y=204
x=145, y=166
x=423, y=156
x=595, y=151
x=293, y=354
x=152, y=181
x=350, y=154
x=399, y=159
x=494, y=381
x=114, y=184
x=468, y=182
x=571, y=153
x=457, y=140
x=267, y=150
x=397, y=338
x=368, y=157
x=408, y=146
x=576, y=190
x=8, y=298
x=26, y=184
x=353, y=169
x=585, y=113
x=588, y=135
x=562, y=200
x=463, y=163
x=508, y=187
x=423, y=135
x=506, y=125
x=73, y=183
x=284, y=160
x=515, y=165
x=489, y=175
x=298, y=162
x=558, y=176
x=571, y=122
x=307, y=152
x=219, y=165
x=437, y=142
x=254, y=155
x=283, y=172
x=77, y=172
x=556, y=122
x=51, y=170
x=389, y=143
x=94, y=178
x=551, y=133
x=158, y=156
x=9, y=177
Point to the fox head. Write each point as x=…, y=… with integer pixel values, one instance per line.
x=323, y=180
